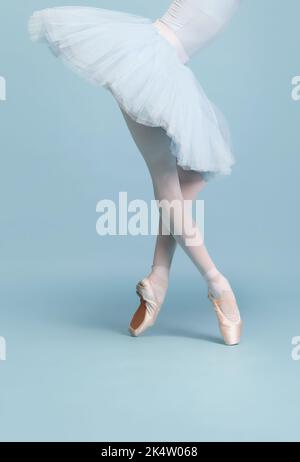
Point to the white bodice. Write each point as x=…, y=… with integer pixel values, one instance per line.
x=196, y=22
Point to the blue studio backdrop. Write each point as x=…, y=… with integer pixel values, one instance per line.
x=71, y=371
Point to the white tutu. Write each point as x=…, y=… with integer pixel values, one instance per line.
x=127, y=55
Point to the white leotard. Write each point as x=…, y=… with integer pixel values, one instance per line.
x=196, y=22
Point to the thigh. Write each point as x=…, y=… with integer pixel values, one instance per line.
x=191, y=182
x=154, y=145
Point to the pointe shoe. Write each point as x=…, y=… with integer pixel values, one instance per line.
x=147, y=312
x=230, y=330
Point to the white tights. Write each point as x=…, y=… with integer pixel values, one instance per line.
x=170, y=183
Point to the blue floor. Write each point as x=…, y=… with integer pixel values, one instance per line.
x=74, y=374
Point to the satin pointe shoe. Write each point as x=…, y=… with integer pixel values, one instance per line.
x=230, y=329
x=147, y=312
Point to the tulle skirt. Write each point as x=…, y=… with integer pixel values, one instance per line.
x=128, y=56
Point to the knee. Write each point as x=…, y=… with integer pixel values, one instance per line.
x=191, y=183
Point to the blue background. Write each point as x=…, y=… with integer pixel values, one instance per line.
x=72, y=371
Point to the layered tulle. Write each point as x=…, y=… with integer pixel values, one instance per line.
x=127, y=55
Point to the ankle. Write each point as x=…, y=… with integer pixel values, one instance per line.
x=212, y=274
x=217, y=282
x=160, y=275
x=159, y=278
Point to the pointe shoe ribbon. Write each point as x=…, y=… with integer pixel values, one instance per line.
x=147, y=296
x=145, y=292
x=230, y=330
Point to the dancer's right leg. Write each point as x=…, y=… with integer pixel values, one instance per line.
x=190, y=183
